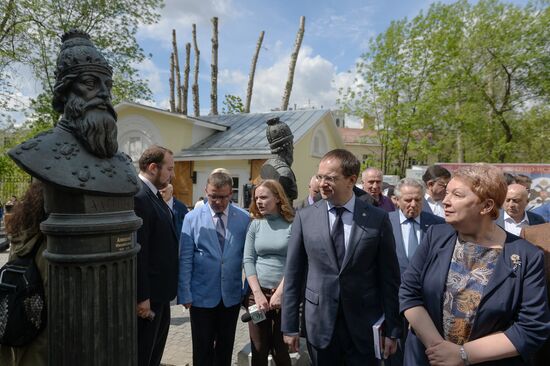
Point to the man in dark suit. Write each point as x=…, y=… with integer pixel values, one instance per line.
x=409, y=224
x=179, y=210
x=157, y=262
x=514, y=216
x=435, y=178
x=342, y=249
x=409, y=194
x=313, y=194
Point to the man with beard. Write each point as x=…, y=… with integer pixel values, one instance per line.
x=280, y=140
x=83, y=143
x=157, y=264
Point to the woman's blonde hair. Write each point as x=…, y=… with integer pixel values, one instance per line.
x=487, y=182
x=285, y=210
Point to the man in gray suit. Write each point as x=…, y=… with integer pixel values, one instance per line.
x=409, y=194
x=409, y=223
x=342, y=249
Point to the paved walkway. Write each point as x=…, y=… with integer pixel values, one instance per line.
x=178, y=350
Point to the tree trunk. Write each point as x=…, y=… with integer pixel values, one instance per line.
x=177, y=68
x=252, y=72
x=185, y=87
x=214, y=65
x=172, y=100
x=292, y=66
x=196, y=107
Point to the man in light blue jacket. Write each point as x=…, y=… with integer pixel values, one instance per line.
x=210, y=276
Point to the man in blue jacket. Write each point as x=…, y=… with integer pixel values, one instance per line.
x=210, y=277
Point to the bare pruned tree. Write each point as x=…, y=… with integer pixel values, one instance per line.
x=214, y=65
x=171, y=81
x=185, y=86
x=252, y=72
x=195, y=88
x=177, y=70
x=292, y=65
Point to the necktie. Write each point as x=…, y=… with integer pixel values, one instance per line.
x=413, y=239
x=220, y=229
x=337, y=235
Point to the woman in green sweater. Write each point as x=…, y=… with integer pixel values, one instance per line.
x=264, y=264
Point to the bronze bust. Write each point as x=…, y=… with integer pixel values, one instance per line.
x=80, y=152
x=281, y=141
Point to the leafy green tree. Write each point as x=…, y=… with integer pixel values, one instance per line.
x=31, y=37
x=459, y=82
x=232, y=104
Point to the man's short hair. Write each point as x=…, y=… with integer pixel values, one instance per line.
x=348, y=162
x=435, y=172
x=410, y=182
x=219, y=179
x=153, y=154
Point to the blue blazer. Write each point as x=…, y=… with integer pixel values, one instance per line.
x=514, y=300
x=365, y=287
x=206, y=274
x=533, y=218
x=180, y=210
x=426, y=220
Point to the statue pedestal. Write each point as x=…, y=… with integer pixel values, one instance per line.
x=91, y=253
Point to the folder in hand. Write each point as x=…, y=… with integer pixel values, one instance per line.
x=378, y=336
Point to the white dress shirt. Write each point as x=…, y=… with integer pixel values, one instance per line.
x=514, y=227
x=436, y=206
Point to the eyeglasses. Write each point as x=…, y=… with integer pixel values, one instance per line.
x=326, y=178
x=217, y=198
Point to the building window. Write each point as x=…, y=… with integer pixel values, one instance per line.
x=320, y=144
x=235, y=188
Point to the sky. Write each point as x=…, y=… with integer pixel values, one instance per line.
x=336, y=34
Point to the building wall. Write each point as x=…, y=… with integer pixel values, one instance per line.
x=173, y=132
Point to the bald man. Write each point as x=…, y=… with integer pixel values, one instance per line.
x=514, y=216
x=372, y=184
x=313, y=194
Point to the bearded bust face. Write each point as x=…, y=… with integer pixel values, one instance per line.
x=89, y=113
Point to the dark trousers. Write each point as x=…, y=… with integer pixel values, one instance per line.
x=213, y=334
x=266, y=337
x=341, y=349
x=152, y=335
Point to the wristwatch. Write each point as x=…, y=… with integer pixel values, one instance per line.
x=464, y=356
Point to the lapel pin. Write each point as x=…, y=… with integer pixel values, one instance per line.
x=364, y=214
x=516, y=261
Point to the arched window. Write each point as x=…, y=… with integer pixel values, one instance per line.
x=319, y=146
x=135, y=134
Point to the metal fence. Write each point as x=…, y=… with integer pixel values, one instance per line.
x=13, y=186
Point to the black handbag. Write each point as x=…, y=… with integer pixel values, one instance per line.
x=22, y=301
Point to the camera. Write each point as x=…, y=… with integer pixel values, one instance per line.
x=256, y=314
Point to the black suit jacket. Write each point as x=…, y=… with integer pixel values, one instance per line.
x=534, y=219
x=180, y=210
x=365, y=287
x=157, y=262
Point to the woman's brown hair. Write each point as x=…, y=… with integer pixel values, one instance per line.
x=285, y=210
x=28, y=212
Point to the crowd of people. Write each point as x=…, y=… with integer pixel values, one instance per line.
x=447, y=262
